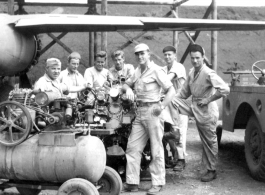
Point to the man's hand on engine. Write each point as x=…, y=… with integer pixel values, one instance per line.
x=130, y=94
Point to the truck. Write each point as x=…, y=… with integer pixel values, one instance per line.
x=244, y=108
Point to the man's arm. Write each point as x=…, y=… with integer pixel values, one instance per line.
x=128, y=91
x=168, y=97
x=222, y=89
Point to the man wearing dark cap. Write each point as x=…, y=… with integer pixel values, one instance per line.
x=148, y=80
x=177, y=74
x=97, y=75
x=205, y=86
x=70, y=76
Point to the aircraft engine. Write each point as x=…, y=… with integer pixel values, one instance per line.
x=18, y=50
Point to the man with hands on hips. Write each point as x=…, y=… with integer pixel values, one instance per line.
x=148, y=80
x=204, y=86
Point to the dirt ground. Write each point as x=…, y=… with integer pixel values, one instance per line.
x=233, y=175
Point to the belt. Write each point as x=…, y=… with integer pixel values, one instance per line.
x=196, y=98
x=145, y=104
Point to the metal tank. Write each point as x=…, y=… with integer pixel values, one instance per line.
x=54, y=157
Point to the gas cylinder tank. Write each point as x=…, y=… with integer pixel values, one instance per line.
x=54, y=157
x=17, y=48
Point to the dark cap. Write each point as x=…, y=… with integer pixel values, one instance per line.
x=169, y=48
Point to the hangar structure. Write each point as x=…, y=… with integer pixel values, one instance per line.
x=94, y=37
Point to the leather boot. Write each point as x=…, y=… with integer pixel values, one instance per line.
x=209, y=176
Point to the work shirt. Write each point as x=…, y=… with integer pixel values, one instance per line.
x=203, y=85
x=179, y=71
x=127, y=71
x=72, y=79
x=96, y=78
x=46, y=84
x=148, y=84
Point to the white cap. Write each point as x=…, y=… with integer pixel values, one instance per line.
x=141, y=47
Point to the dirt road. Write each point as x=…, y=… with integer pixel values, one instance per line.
x=233, y=176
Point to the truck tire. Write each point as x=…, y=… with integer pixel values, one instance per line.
x=111, y=182
x=255, y=149
x=79, y=186
x=28, y=191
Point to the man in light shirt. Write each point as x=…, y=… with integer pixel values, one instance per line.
x=120, y=70
x=97, y=75
x=70, y=76
x=49, y=82
x=177, y=74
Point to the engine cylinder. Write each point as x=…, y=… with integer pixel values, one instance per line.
x=54, y=157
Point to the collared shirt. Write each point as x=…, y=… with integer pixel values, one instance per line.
x=127, y=71
x=148, y=84
x=96, y=78
x=46, y=84
x=204, y=84
x=72, y=79
x=179, y=71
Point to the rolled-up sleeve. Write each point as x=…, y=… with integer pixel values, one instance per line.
x=163, y=80
x=219, y=84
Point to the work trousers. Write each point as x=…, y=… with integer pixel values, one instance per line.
x=206, y=120
x=178, y=147
x=145, y=126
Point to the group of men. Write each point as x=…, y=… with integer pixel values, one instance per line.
x=183, y=96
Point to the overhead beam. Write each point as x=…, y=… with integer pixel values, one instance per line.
x=124, y=2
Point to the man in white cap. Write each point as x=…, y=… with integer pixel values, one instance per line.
x=204, y=86
x=120, y=69
x=50, y=82
x=97, y=75
x=148, y=80
x=177, y=74
x=70, y=76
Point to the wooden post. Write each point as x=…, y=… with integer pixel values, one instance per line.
x=175, y=34
x=214, y=38
x=91, y=49
x=104, y=34
x=10, y=5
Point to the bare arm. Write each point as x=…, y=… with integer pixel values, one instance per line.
x=128, y=91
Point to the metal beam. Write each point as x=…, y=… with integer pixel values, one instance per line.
x=214, y=38
x=197, y=33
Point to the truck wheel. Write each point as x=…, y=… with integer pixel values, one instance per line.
x=28, y=191
x=110, y=182
x=219, y=132
x=77, y=186
x=255, y=149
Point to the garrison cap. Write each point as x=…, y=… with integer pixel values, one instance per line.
x=141, y=47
